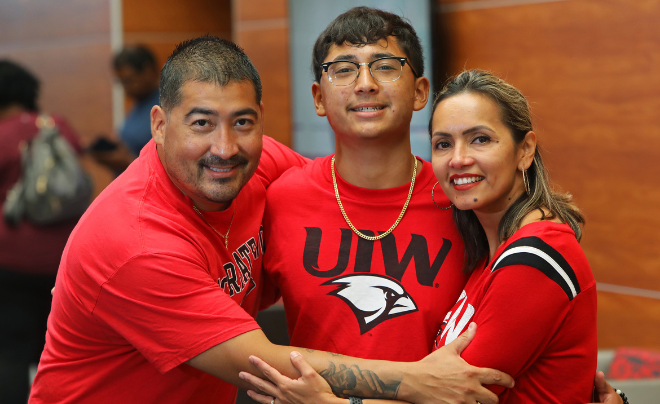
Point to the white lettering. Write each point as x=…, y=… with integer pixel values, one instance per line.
x=453, y=330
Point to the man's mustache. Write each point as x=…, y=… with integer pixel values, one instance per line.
x=217, y=161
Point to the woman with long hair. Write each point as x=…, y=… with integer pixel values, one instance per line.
x=531, y=291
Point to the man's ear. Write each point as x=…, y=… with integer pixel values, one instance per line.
x=422, y=86
x=318, y=99
x=263, y=117
x=527, y=150
x=158, y=124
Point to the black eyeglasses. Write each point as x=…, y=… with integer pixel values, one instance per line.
x=385, y=70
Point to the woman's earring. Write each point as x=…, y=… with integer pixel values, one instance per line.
x=433, y=199
x=526, y=181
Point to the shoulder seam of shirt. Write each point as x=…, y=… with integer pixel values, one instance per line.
x=141, y=208
x=534, y=252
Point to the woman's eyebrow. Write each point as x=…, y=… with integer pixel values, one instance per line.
x=465, y=132
x=477, y=128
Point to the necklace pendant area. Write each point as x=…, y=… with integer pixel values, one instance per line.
x=348, y=221
x=225, y=237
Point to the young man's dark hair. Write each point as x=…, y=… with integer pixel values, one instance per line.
x=17, y=86
x=136, y=56
x=205, y=59
x=365, y=26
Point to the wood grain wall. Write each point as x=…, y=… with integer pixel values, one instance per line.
x=261, y=27
x=161, y=26
x=590, y=70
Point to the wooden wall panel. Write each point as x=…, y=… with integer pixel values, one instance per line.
x=67, y=45
x=148, y=22
x=628, y=321
x=34, y=20
x=261, y=28
x=176, y=16
x=589, y=69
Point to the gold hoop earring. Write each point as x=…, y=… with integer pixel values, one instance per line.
x=526, y=181
x=433, y=199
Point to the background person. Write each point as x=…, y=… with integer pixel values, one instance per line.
x=29, y=254
x=136, y=69
x=138, y=72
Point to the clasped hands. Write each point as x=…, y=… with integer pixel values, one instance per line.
x=441, y=377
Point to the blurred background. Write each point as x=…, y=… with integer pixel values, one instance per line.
x=590, y=69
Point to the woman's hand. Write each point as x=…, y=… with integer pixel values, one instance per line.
x=309, y=388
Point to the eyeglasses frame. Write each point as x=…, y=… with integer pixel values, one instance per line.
x=401, y=59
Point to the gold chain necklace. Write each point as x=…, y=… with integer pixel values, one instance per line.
x=224, y=236
x=348, y=221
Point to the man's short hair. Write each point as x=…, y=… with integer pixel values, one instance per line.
x=18, y=86
x=138, y=57
x=206, y=59
x=365, y=26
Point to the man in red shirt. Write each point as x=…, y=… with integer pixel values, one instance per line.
x=160, y=279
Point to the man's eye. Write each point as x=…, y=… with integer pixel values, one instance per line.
x=243, y=122
x=201, y=122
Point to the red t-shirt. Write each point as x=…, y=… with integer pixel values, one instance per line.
x=372, y=299
x=28, y=248
x=145, y=285
x=535, y=315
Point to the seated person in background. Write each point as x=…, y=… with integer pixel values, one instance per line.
x=136, y=69
x=29, y=254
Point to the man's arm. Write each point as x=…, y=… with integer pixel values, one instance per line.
x=310, y=387
x=275, y=159
x=440, y=377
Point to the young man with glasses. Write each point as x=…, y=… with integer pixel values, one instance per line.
x=366, y=262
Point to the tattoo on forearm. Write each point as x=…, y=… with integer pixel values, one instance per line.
x=309, y=350
x=353, y=381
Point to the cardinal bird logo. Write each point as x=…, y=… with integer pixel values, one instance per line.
x=373, y=298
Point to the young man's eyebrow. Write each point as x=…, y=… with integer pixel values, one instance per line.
x=347, y=56
x=373, y=56
x=381, y=55
x=202, y=111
